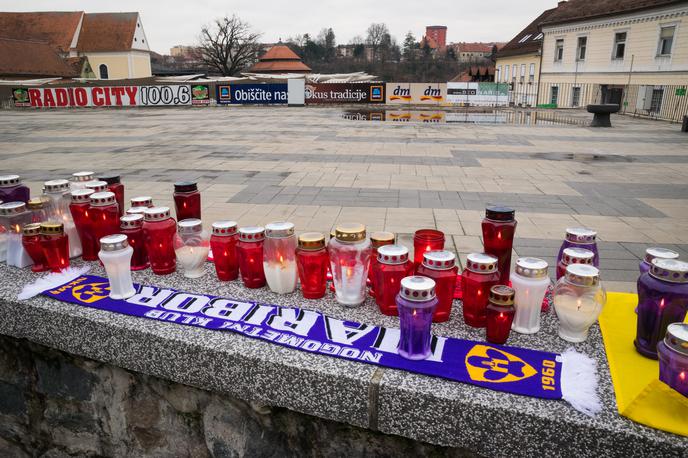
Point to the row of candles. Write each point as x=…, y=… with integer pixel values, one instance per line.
x=85, y=217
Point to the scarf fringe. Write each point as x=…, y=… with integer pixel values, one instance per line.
x=50, y=281
x=579, y=382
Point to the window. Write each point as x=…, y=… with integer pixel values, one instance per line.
x=575, y=96
x=103, y=70
x=582, y=45
x=559, y=50
x=656, y=102
x=523, y=72
x=619, y=45
x=554, y=95
x=666, y=40
x=525, y=38
x=514, y=71
x=506, y=73
x=531, y=78
x=498, y=73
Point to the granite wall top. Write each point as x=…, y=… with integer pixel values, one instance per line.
x=391, y=401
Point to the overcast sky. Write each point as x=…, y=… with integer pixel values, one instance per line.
x=171, y=22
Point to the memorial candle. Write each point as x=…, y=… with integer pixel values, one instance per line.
x=79, y=180
x=31, y=239
x=530, y=281
x=425, y=240
x=441, y=267
x=573, y=256
x=479, y=276
x=141, y=201
x=416, y=302
x=55, y=246
x=191, y=245
x=12, y=189
x=500, y=314
x=96, y=186
x=580, y=237
x=115, y=254
x=378, y=239
x=132, y=227
x=279, y=257
x=37, y=206
x=187, y=200
x=499, y=227
x=114, y=185
x=104, y=215
x=312, y=262
x=673, y=357
x=159, y=229
x=223, y=243
x=350, y=253
x=655, y=253
x=392, y=266
x=58, y=198
x=578, y=301
x=81, y=202
x=250, y=251
x=137, y=210
x=13, y=217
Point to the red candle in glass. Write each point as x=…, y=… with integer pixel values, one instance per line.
x=55, y=246
x=223, y=243
x=441, y=267
x=132, y=227
x=104, y=215
x=187, y=200
x=250, y=251
x=377, y=239
x=391, y=267
x=478, y=278
x=159, y=229
x=96, y=186
x=499, y=227
x=425, y=240
x=79, y=206
x=31, y=240
x=141, y=201
x=114, y=184
x=500, y=314
x=312, y=262
x=38, y=205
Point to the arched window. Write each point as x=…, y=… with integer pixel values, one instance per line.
x=103, y=70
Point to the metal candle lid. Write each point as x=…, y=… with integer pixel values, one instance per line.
x=502, y=295
x=224, y=228
x=80, y=196
x=500, y=213
x=311, y=241
x=131, y=221
x=83, y=176
x=101, y=199
x=671, y=270
x=54, y=186
x=417, y=289
x=110, y=178
x=580, y=235
x=185, y=186
x=582, y=274
x=190, y=226
x=251, y=234
x=52, y=228
x=156, y=213
x=333, y=234
x=137, y=210
x=350, y=232
x=676, y=338
x=575, y=255
x=381, y=238
x=531, y=267
x=12, y=208
x=141, y=201
x=114, y=242
x=31, y=229
x=439, y=260
x=279, y=229
x=658, y=252
x=481, y=263
x=97, y=186
x=7, y=181
x=35, y=203
x=392, y=254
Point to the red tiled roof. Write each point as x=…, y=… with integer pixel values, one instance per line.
x=103, y=32
x=518, y=45
x=279, y=52
x=475, y=47
x=56, y=28
x=280, y=59
x=32, y=58
x=575, y=10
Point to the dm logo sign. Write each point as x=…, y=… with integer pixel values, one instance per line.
x=489, y=364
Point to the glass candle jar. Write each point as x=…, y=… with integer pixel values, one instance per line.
x=573, y=256
x=13, y=217
x=279, y=257
x=132, y=227
x=499, y=227
x=79, y=180
x=37, y=207
x=115, y=254
x=479, y=276
x=13, y=190
x=57, y=195
x=416, y=302
x=350, y=253
x=312, y=262
x=578, y=301
x=378, y=239
x=96, y=186
x=81, y=202
x=55, y=246
x=425, y=240
x=250, y=251
x=655, y=253
x=223, y=243
x=31, y=239
x=392, y=266
x=580, y=237
x=137, y=210
x=187, y=200
x=141, y=201
x=673, y=357
x=441, y=267
x=114, y=185
x=104, y=215
x=500, y=314
x=159, y=229
x=662, y=300
x=191, y=245
x=530, y=281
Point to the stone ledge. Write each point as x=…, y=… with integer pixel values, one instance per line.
x=418, y=407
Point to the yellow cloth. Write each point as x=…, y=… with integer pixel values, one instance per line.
x=640, y=395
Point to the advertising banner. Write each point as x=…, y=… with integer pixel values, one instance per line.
x=478, y=94
x=244, y=94
x=345, y=93
x=398, y=92
x=200, y=94
x=416, y=93
x=426, y=116
x=103, y=96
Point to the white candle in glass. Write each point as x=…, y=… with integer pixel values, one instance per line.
x=530, y=283
x=115, y=253
x=13, y=217
x=191, y=245
x=58, y=197
x=578, y=301
x=279, y=257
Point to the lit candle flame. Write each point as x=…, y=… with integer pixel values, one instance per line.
x=578, y=304
x=682, y=376
x=661, y=303
x=499, y=235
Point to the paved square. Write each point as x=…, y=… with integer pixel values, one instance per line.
x=314, y=168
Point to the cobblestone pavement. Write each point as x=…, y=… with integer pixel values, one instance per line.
x=314, y=168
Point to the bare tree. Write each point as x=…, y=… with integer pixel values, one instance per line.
x=377, y=36
x=228, y=45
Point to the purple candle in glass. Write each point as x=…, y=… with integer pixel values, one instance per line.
x=662, y=300
x=673, y=357
x=416, y=302
x=580, y=237
x=12, y=189
x=655, y=253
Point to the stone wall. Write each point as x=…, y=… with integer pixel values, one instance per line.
x=54, y=404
